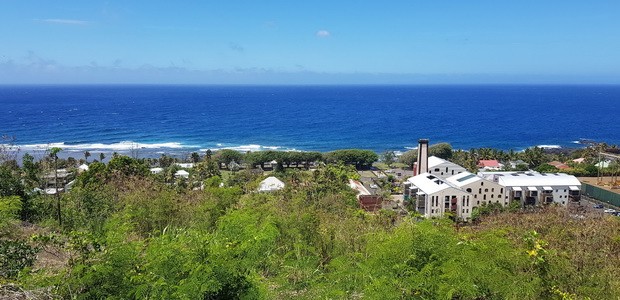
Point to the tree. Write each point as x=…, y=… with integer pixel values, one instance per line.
x=534, y=157
x=409, y=158
x=86, y=155
x=388, y=157
x=546, y=168
x=195, y=157
x=361, y=159
x=206, y=169
x=226, y=156
x=127, y=166
x=101, y=156
x=441, y=150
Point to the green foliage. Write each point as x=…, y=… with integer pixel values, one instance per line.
x=15, y=255
x=127, y=166
x=441, y=150
x=9, y=212
x=361, y=159
x=128, y=235
x=546, y=168
x=10, y=183
x=388, y=157
x=226, y=156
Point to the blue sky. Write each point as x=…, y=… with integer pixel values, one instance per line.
x=297, y=42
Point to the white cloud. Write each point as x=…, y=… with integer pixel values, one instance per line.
x=323, y=33
x=64, y=21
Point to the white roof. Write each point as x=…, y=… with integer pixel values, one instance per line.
x=270, y=184
x=185, y=165
x=83, y=167
x=603, y=164
x=429, y=183
x=181, y=173
x=463, y=179
x=527, y=179
x=517, y=188
x=52, y=191
x=359, y=187
x=156, y=170
x=435, y=161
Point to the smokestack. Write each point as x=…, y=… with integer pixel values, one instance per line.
x=422, y=163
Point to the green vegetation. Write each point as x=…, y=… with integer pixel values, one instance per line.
x=130, y=234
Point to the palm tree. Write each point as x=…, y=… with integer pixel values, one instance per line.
x=101, y=156
x=54, y=155
x=86, y=155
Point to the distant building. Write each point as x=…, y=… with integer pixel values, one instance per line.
x=515, y=163
x=603, y=164
x=185, y=165
x=443, y=168
x=270, y=184
x=181, y=174
x=489, y=164
x=82, y=168
x=579, y=160
x=156, y=170
x=63, y=175
x=558, y=165
x=483, y=191
x=533, y=188
x=359, y=188
x=433, y=196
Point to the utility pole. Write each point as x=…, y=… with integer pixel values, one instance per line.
x=54, y=154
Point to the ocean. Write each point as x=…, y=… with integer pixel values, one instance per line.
x=177, y=119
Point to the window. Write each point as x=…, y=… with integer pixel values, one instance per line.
x=501, y=191
x=452, y=172
x=486, y=190
x=480, y=191
x=475, y=196
x=468, y=190
x=482, y=183
x=436, y=169
x=499, y=196
x=446, y=169
x=492, y=196
x=484, y=197
x=477, y=202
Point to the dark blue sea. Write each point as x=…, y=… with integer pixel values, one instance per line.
x=182, y=119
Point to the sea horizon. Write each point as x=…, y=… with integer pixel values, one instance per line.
x=178, y=119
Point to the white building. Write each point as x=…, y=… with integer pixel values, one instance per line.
x=483, y=191
x=270, y=184
x=185, y=165
x=181, y=174
x=156, y=170
x=434, y=196
x=82, y=168
x=443, y=168
x=359, y=188
x=533, y=188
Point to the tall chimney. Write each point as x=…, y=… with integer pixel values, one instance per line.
x=422, y=163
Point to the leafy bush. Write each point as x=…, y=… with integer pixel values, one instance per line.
x=15, y=255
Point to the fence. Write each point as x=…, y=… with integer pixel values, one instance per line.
x=601, y=194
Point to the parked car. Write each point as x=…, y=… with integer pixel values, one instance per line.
x=609, y=211
x=598, y=206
